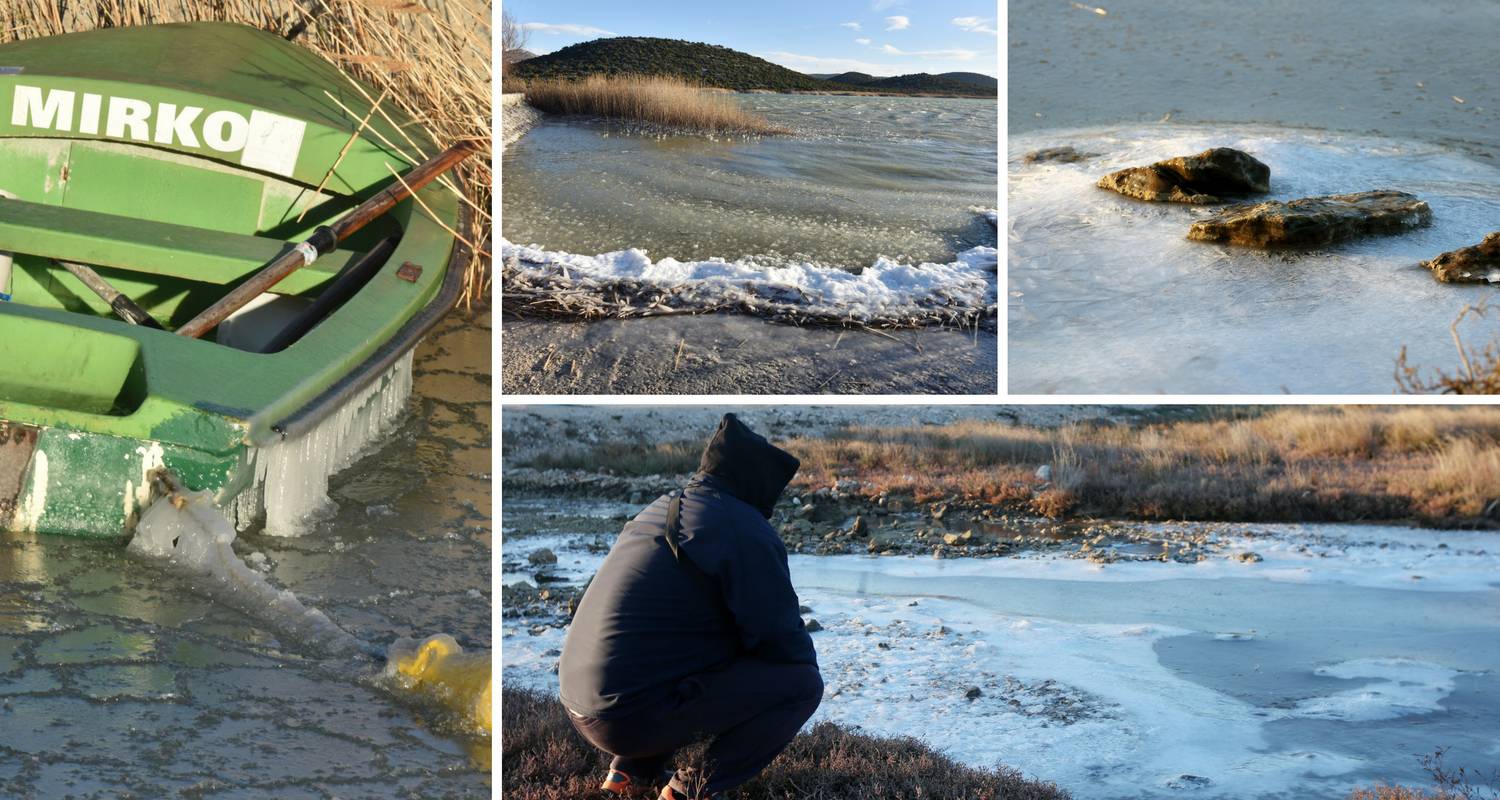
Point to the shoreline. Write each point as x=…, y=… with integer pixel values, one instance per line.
x=516, y=118
x=723, y=353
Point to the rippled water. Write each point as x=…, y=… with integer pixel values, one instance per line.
x=861, y=177
x=119, y=679
x=1108, y=295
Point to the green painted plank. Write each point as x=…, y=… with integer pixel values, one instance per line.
x=160, y=248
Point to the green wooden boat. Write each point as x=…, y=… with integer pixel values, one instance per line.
x=176, y=161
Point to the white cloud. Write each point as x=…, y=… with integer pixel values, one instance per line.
x=897, y=23
x=959, y=55
x=975, y=25
x=853, y=26
x=861, y=40
x=805, y=63
x=568, y=28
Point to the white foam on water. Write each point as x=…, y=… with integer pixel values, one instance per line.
x=884, y=291
x=193, y=537
x=1106, y=293
x=1391, y=688
x=290, y=489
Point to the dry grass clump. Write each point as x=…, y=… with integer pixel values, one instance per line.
x=543, y=758
x=1481, y=367
x=668, y=102
x=429, y=58
x=1447, y=784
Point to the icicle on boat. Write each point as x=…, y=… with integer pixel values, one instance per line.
x=150, y=176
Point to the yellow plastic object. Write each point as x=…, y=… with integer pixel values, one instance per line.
x=439, y=666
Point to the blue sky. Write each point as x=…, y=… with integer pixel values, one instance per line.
x=881, y=37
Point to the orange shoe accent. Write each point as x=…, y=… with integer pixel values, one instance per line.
x=616, y=782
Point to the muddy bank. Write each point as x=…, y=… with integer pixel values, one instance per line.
x=733, y=354
x=1328, y=65
x=516, y=118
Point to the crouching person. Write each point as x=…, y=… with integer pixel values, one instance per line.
x=691, y=627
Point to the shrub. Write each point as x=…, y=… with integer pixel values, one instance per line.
x=543, y=758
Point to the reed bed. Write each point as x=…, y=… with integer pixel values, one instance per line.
x=666, y=102
x=1435, y=465
x=429, y=58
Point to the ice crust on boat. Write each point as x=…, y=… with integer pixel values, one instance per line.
x=884, y=291
x=192, y=536
x=290, y=491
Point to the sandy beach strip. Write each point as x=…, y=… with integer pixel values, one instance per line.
x=739, y=354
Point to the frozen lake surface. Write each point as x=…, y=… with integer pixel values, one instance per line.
x=119, y=679
x=1106, y=293
x=1334, y=662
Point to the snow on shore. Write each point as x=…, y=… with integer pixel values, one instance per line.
x=884, y=290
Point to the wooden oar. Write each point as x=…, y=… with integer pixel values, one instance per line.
x=325, y=239
x=123, y=306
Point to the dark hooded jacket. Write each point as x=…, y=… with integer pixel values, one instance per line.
x=648, y=619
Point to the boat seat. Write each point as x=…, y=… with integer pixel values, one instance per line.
x=159, y=248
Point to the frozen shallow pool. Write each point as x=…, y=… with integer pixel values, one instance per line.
x=118, y=679
x=1335, y=661
x=1106, y=294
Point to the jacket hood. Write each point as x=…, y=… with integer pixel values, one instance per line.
x=749, y=467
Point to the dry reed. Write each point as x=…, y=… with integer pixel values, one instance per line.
x=667, y=102
x=1440, y=465
x=429, y=58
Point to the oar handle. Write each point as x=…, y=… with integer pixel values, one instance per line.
x=325, y=239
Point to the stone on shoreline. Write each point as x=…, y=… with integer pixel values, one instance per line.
x=1314, y=221
x=1066, y=154
x=1198, y=179
x=1477, y=264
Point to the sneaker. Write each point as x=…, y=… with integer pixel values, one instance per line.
x=617, y=783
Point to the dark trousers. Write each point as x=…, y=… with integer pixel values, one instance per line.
x=752, y=709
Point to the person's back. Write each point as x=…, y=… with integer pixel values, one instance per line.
x=698, y=621
x=646, y=621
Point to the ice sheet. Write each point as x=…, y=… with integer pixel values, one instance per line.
x=1106, y=294
x=1098, y=706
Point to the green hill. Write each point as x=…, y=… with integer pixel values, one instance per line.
x=851, y=78
x=937, y=84
x=975, y=78
x=707, y=64
x=713, y=65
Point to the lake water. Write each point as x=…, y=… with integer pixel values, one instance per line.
x=1336, y=661
x=859, y=178
x=1107, y=295
x=120, y=679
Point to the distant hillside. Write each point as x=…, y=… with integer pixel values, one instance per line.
x=708, y=64
x=975, y=78
x=852, y=78
x=938, y=84
x=712, y=65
